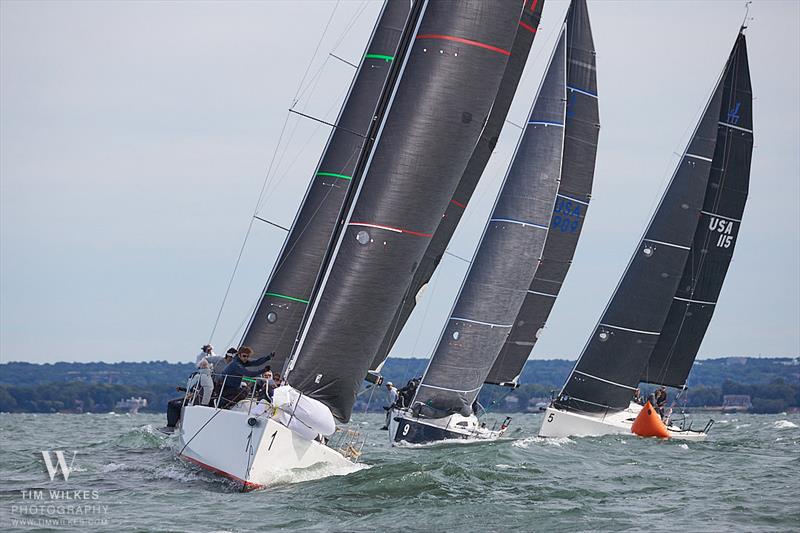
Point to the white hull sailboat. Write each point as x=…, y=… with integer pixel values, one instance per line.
x=376, y=198
x=563, y=423
x=258, y=450
x=654, y=324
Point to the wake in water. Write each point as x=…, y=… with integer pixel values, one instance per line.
x=546, y=441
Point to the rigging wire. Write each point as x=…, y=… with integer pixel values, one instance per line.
x=269, y=174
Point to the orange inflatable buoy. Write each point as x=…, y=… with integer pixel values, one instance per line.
x=649, y=424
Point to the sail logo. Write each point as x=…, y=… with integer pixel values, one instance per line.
x=60, y=464
x=725, y=230
x=566, y=216
x=571, y=103
x=733, y=114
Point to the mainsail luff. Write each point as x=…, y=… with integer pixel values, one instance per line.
x=450, y=79
x=712, y=249
x=505, y=260
x=608, y=371
x=526, y=32
x=279, y=315
x=572, y=201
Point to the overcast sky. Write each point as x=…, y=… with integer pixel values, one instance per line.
x=135, y=137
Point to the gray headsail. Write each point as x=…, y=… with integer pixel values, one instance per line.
x=611, y=365
x=716, y=234
x=506, y=259
x=526, y=31
x=574, y=191
x=450, y=79
x=279, y=315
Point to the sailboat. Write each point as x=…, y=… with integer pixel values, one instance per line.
x=500, y=273
x=412, y=128
x=654, y=323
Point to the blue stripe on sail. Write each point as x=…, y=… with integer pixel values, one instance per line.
x=522, y=222
x=582, y=91
x=546, y=123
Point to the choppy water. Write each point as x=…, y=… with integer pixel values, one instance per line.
x=746, y=477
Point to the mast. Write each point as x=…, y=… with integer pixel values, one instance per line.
x=526, y=32
x=572, y=201
x=449, y=80
x=279, y=315
x=611, y=365
x=506, y=258
x=716, y=235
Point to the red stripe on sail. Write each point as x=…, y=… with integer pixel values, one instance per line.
x=465, y=41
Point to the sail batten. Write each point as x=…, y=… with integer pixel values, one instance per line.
x=505, y=260
x=572, y=200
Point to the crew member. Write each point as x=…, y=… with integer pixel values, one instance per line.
x=393, y=396
x=242, y=365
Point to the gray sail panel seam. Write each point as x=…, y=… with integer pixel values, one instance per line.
x=605, y=380
x=482, y=323
x=727, y=125
x=699, y=157
x=573, y=199
x=631, y=330
x=445, y=388
x=694, y=301
x=667, y=244
x=543, y=294
x=520, y=222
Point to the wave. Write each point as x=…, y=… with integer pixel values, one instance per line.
x=548, y=441
x=784, y=424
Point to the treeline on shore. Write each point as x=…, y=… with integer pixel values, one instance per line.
x=773, y=384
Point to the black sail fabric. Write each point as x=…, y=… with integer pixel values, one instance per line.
x=572, y=201
x=526, y=31
x=278, y=317
x=506, y=258
x=608, y=371
x=715, y=237
x=448, y=84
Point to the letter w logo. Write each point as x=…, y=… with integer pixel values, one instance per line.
x=53, y=469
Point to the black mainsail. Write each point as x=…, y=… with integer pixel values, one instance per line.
x=572, y=201
x=450, y=79
x=614, y=359
x=279, y=315
x=715, y=237
x=505, y=260
x=526, y=32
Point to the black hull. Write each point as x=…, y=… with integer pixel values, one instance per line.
x=419, y=433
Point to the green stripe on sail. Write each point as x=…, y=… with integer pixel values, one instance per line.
x=334, y=175
x=251, y=380
x=275, y=294
x=379, y=56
